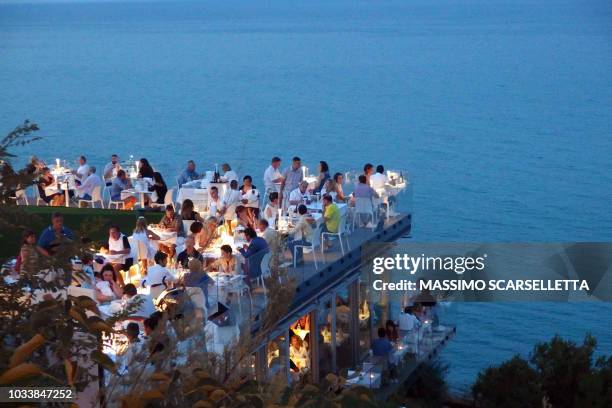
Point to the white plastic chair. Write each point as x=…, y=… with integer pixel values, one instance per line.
x=364, y=206
x=315, y=241
x=342, y=232
x=96, y=197
x=119, y=204
x=265, y=271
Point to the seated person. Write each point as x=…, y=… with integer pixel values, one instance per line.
x=378, y=180
x=229, y=175
x=188, y=213
x=87, y=187
x=338, y=180
x=227, y=263
x=363, y=189
x=214, y=203
x=300, y=194
x=45, y=184
x=145, y=303
x=381, y=347
x=189, y=253
x=245, y=216
x=189, y=174
x=267, y=233
x=331, y=215
x=271, y=211
x=301, y=234
x=55, y=236
x=29, y=258
x=119, y=184
x=108, y=288
x=197, y=278
x=298, y=354
x=253, y=250
x=204, y=233
x=171, y=221
x=129, y=355
x=408, y=321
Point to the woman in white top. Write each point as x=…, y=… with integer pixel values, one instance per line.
x=250, y=195
x=142, y=233
x=108, y=289
x=271, y=211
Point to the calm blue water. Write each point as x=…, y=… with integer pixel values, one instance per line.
x=499, y=110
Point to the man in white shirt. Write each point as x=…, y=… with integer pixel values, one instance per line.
x=83, y=170
x=144, y=309
x=228, y=173
x=407, y=321
x=158, y=277
x=230, y=200
x=297, y=196
x=267, y=233
x=111, y=169
x=378, y=179
x=272, y=176
x=85, y=190
x=214, y=203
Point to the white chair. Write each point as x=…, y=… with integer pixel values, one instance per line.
x=342, y=232
x=168, y=199
x=238, y=286
x=21, y=195
x=265, y=271
x=364, y=206
x=119, y=204
x=96, y=197
x=315, y=242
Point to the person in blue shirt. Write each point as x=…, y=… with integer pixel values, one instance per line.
x=189, y=174
x=381, y=347
x=253, y=252
x=54, y=236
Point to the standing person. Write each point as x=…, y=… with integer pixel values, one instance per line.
x=272, y=176
x=145, y=170
x=82, y=170
x=250, y=195
x=29, y=257
x=54, y=236
x=87, y=187
x=111, y=169
x=230, y=201
x=293, y=176
x=143, y=234
x=189, y=174
x=118, y=246
x=363, y=189
x=158, y=277
x=228, y=173
x=378, y=180
x=301, y=234
x=160, y=189
x=368, y=169
x=322, y=177
x=408, y=321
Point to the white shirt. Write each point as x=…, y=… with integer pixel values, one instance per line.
x=83, y=171
x=214, y=206
x=230, y=175
x=117, y=245
x=270, y=213
x=156, y=275
x=146, y=307
x=104, y=287
x=91, y=182
x=378, y=181
x=270, y=175
x=297, y=195
x=110, y=170
x=408, y=321
x=252, y=196
x=230, y=200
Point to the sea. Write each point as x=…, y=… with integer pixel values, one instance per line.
x=497, y=111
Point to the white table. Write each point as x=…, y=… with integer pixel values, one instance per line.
x=132, y=191
x=367, y=379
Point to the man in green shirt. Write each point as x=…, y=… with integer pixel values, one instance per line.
x=331, y=215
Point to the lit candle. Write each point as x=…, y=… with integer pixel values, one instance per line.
x=304, y=171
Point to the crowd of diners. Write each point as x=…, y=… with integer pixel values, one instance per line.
x=238, y=209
